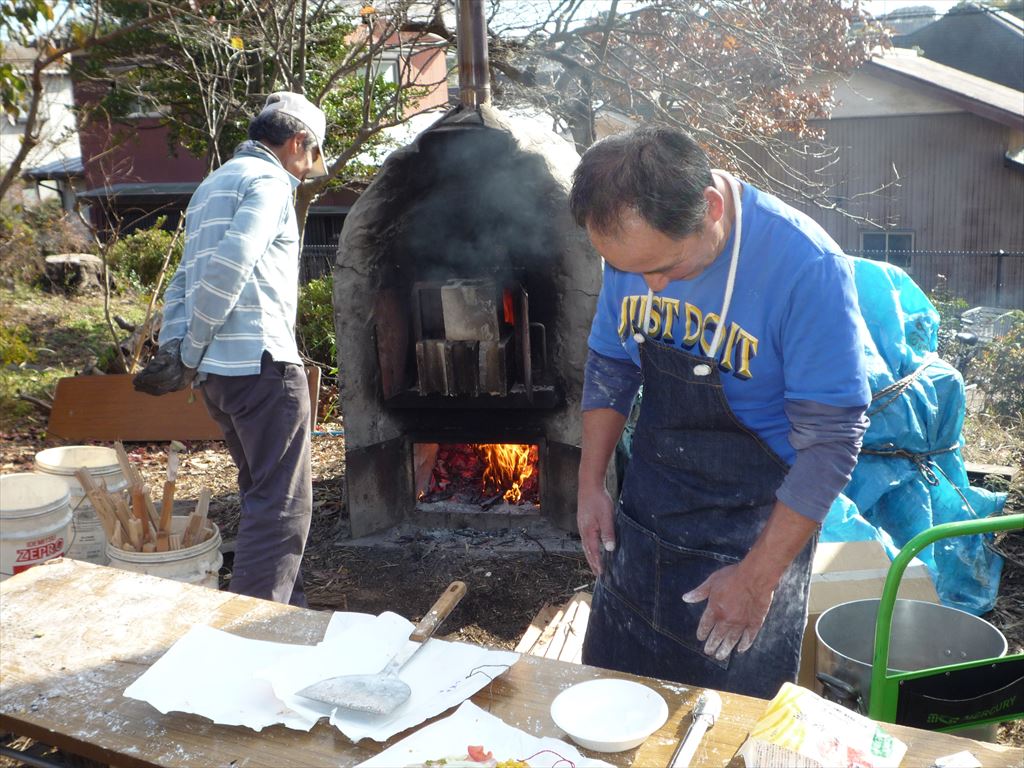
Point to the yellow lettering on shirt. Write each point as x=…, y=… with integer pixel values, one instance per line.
x=698, y=329
x=708, y=332
x=692, y=322
x=726, y=360
x=748, y=349
x=653, y=328
x=670, y=311
x=626, y=316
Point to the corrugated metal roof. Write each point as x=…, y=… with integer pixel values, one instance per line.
x=974, y=94
x=140, y=190
x=986, y=42
x=57, y=169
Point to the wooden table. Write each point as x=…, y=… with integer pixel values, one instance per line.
x=73, y=636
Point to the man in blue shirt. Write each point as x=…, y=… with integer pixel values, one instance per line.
x=739, y=314
x=229, y=324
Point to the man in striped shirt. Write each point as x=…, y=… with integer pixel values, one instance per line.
x=230, y=311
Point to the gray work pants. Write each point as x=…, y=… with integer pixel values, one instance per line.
x=265, y=420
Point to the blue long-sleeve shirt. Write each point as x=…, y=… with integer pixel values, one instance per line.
x=235, y=293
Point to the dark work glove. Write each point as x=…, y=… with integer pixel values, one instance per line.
x=165, y=372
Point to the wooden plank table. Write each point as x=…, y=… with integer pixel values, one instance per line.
x=73, y=636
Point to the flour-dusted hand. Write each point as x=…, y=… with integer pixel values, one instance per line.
x=735, y=611
x=595, y=520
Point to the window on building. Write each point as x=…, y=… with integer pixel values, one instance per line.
x=387, y=67
x=897, y=248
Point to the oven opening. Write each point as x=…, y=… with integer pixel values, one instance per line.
x=501, y=478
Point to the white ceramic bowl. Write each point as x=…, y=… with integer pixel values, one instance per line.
x=609, y=715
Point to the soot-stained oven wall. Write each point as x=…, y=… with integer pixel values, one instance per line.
x=474, y=197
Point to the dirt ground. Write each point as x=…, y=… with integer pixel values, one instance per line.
x=510, y=574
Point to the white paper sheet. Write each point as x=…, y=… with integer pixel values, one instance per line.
x=237, y=681
x=210, y=673
x=471, y=725
x=441, y=675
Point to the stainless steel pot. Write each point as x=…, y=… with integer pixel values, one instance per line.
x=924, y=635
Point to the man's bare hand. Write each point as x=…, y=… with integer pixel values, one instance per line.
x=594, y=518
x=736, y=609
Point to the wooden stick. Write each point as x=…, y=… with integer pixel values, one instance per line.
x=99, y=504
x=195, y=530
x=124, y=515
x=131, y=475
x=166, y=507
x=135, y=533
x=154, y=516
x=139, y=510
x=105, y=504
x=163, y=541
x=106, y=515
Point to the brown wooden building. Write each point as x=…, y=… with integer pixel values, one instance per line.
x=945, y=152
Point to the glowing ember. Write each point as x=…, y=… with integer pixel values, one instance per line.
x=508, y=307
x=482, y=474
x=509, y=466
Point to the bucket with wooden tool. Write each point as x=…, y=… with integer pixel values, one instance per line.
x=382, y=693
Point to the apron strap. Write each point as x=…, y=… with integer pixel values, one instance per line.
x=734, y=259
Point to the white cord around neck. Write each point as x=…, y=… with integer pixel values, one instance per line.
x=734, y=260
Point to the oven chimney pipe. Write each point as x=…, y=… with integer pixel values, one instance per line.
x=474, y=80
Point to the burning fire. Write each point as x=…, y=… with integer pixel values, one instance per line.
x=508, y=467
x=508, y=307
x=478, y=473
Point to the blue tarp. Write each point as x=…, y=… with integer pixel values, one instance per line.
x=911, y=474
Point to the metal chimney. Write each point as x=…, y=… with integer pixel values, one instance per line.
x=474, y=81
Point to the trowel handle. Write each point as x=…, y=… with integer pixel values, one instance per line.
x=439, y=611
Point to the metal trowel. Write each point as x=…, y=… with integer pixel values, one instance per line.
x=385, y=691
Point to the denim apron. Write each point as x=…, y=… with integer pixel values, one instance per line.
x=697, y=493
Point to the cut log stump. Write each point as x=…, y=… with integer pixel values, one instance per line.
x=74, y=273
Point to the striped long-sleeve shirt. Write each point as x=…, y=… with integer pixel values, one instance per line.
x=235, y=293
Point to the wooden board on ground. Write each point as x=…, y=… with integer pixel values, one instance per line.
x=556, y=632
x=977, y=471
x=108, y=408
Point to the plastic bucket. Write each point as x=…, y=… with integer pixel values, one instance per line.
x=199, y=564
x=35, y=521
x=89, y=541
x=923, y=635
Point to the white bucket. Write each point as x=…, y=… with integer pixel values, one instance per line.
x=35, y=521
x=199, y=564
x=89, y=541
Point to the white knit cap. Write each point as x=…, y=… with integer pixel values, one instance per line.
x=306, y=112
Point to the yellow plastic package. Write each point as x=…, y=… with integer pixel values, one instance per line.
x=802, y=730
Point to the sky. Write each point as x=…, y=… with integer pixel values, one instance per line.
x=527, y=10
x=879, y=7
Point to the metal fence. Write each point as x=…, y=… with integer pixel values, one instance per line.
x=316, y=261
x=981, y=278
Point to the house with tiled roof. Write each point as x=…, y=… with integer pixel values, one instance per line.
x=930, y=164
x=53, y=168
x=974, y=38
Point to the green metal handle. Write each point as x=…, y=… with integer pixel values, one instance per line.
x=886, y=606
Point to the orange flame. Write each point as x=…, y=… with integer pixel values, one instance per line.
x=508, y=467
x=508, y=306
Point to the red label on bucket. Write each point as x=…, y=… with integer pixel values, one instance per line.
x=35, y=552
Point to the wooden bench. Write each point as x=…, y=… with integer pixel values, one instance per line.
x=557, y=631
